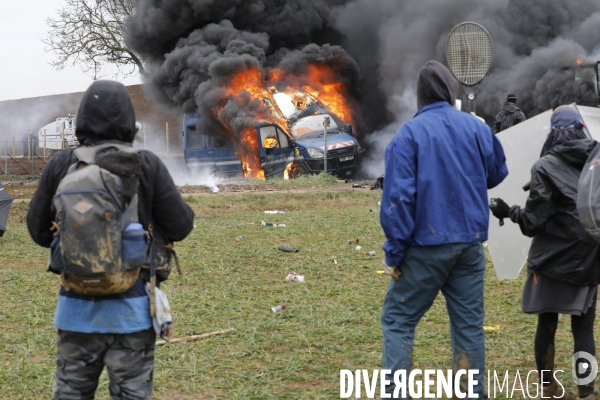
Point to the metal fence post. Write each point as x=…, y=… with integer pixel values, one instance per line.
x=6, y=157
x=13, y=143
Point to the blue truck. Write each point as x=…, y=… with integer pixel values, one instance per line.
x=280, y=153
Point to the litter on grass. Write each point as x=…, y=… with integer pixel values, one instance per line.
x=287, y=249
x=358, y=248
x=272, y=224
x=193, y=338
x=488, y=328
x=380, y=272
x=275, y=212
x=371, y=253
x=295, y=278
x=239, y=238
x=278, y=308
x=353, y=241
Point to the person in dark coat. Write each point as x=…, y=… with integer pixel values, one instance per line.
x=509, y=116
x=113, y=330
x=563, y=265
x=434, y=213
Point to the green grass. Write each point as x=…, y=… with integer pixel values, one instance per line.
x=331, y=322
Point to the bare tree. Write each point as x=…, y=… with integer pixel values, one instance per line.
x=90, y=33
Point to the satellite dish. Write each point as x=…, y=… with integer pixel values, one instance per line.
x=469, y=54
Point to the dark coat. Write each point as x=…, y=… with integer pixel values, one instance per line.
x=561, y=248
x=513, y=115
x=106, y=115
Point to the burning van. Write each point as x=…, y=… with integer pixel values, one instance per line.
x=287, y=148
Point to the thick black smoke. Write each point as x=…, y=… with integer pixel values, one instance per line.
x=189, y=45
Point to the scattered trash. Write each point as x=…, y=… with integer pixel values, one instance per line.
x=295, y=277
x=275, y=212
x=288, y=249
x=272, y=224
x=356, y=185
x=378, y=204
x=278, y=308
x=488, y=328
x=335, y=261
x=380, y=272
x=239, y=238
x=358, y=248
x=194, y=226
x=353, y=241
x=371, y=210
x=371, y=253
x=228, y=205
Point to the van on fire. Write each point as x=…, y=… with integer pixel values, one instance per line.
x=283, y=153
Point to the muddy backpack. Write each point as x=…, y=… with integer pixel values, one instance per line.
x=588, y=194
x=99, y=246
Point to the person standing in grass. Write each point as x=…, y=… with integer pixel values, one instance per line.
x=564, y=260
x=113, y=330
x=434, y=213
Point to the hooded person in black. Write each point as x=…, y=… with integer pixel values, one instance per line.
x=112, y=330
x=509, y=116
x=564, y=260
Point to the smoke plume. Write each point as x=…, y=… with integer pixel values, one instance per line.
x=193, y=48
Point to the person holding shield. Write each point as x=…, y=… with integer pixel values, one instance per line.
x=563, y=266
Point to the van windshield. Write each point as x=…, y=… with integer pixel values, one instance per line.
x=194, y=140
x=312, y=127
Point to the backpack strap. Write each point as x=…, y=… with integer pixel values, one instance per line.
x=87, y=154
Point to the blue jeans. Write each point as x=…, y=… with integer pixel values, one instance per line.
x=457, y=270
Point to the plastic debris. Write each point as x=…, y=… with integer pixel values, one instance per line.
x=278, y=308
x=371, y=253
x=272, y=224
x=295, y=277
x=275, y=212
x=378, y=204
x=380, y=272
x=358, y=248
x=489, y=328
x=335, y=261
x=288, y=249
x=356, y=185
x=353, y=241
x=239, y=238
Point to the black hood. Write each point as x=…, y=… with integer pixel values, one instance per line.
x=575, y=152
x=510, y=108
x=436, y=83
x=105, y=113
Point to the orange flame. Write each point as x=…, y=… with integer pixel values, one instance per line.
x=579, y=61
x=319, y=82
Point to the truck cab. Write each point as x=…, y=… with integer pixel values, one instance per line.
x=59, y=134
x=588, y=75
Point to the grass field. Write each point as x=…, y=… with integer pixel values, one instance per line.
x=331, y=321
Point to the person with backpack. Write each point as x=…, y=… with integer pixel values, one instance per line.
x=509, y=116
x=563, y=266
x=109, y=213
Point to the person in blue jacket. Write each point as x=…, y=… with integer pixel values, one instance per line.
x=434, y=213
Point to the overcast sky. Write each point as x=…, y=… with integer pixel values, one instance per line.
x=24, y=70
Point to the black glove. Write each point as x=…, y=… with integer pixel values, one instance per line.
x=500, y=209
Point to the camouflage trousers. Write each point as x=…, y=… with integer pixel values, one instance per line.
x=129, y=360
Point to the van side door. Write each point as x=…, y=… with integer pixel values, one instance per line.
x=276, y=150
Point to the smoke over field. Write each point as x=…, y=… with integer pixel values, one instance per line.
x=194, y=49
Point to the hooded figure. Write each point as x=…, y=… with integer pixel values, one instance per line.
x=509, y=116
x=113, y=330
x=563, y=264
x=434, y=213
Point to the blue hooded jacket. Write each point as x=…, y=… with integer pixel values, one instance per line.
x=438, y=169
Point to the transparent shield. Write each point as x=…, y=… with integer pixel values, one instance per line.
x=522, y=145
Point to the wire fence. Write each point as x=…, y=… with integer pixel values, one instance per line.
x=27, y=157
